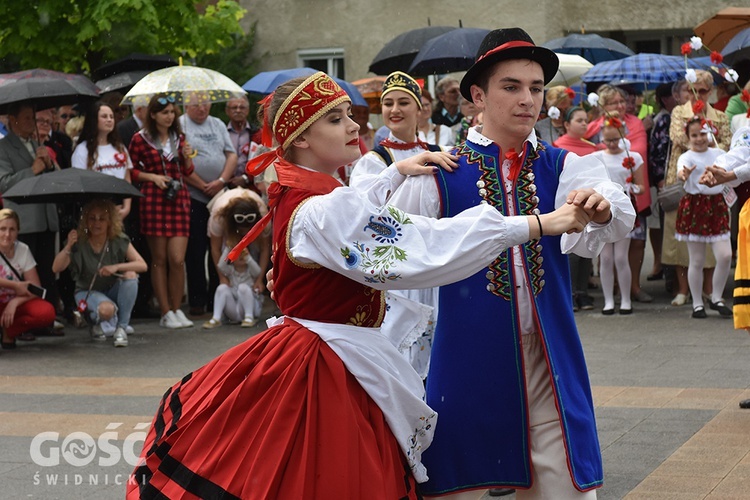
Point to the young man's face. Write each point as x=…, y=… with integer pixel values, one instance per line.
x=511, y=104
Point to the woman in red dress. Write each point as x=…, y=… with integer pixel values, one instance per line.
x=161, y=162
x=322, y=405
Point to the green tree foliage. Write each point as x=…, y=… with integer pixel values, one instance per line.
x=80, y=35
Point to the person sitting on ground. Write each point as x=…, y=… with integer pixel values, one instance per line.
x=104, y=265
x=20, y=309
x=239, y=295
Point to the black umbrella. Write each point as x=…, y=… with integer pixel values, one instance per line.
x=398, y=54
x=738, y=47
x=133, y=62
x=44, y=88
x=69, y=185
x=449, y=52
x=121, y=81
x=594, y=48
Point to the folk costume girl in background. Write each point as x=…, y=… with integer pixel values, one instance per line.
x=575, y=122
x=703, y=218
x=614, y=256
x=321, y=405
x=161, y=160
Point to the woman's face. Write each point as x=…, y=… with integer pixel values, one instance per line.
x=165, y=117
x=702, y=90
x=611, y=139
x=8, y=233
x=683, y=94
x=426, y=112
x=106, y=117
x=576, y=127
x=332, y=141
x=617, y=103
x=400, y=112
x=97, y=222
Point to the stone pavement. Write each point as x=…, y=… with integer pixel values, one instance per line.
x=666, y=389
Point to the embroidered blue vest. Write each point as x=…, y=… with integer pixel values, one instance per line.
x=476, y=381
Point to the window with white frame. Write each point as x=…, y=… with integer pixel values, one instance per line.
x=329, y=60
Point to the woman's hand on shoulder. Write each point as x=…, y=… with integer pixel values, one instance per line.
x=427, y=163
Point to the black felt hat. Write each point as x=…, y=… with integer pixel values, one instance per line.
x=508, y=43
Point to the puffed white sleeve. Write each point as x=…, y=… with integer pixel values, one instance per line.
x=385, y=248
x=589, y=172
x=736, y=160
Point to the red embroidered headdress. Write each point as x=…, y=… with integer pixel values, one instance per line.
x=312, y=99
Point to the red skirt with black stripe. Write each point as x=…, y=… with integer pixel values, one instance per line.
x=278, y=416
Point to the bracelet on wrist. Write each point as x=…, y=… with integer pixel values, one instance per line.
x=223, y=181
x=539, y=221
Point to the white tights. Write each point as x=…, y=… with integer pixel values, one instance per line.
x=615, y=256
x=238, y=304
x=697, y=252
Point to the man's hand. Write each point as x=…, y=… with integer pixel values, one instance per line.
x=213, y=187
x=595, y=205
x=716, y=175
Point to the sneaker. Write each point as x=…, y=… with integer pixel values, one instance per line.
x=249, y=322
x=129, y=330
x=699, y=312
x=720, y=306
x=586, y=302
x=170, y=321
x=121, y=338
x=183, y=320
x=57, y=325
x=679, y=299
x=641, y=296
x=211, y=324
x=97, y=333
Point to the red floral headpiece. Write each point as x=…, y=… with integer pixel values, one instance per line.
x=311, y=100
x=612, y=121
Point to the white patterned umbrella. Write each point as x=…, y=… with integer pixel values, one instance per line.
x=182, y=81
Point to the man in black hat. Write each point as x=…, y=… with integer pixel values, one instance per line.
x=507, y=376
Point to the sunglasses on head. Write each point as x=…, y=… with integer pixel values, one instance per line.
x=164, y=100
x=244, y=218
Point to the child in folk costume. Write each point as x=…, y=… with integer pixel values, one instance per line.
x=624, y=168
x=703, y=217
x=321, y=405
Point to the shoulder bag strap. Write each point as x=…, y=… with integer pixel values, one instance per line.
x=15, y=271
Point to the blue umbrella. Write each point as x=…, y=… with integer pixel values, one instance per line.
x=450, y=52
x=738, y=47
x=267, y=81
x=650, y=69
x=593, y=48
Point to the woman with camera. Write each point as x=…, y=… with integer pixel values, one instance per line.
x=161, y=162
x=22, y=307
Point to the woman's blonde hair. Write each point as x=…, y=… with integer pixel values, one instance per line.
x=607, y=94
x=555, y=95
x=114, y=224
x=7, y=213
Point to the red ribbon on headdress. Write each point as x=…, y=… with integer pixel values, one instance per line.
x=505, y=46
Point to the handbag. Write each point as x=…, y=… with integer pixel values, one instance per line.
x=669, y=196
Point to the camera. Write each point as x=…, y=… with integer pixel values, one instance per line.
x=173, y=187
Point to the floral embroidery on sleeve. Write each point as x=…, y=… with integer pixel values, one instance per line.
x=379, y=260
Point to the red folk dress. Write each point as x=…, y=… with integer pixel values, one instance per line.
x=158, y=215
x=279, y=416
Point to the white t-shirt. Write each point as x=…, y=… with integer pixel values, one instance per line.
x=701, y=161
x=108, y=160
x=211, y=140
x=23, y=261
x=617, y=173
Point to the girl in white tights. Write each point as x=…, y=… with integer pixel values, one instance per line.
x=703, y=218
x=624, y=168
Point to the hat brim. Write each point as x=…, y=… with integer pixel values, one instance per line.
x=547, y=59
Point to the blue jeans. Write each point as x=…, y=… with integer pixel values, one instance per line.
x=123, y=294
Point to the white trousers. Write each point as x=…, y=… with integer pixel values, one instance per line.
x=550, y=476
